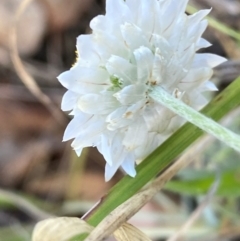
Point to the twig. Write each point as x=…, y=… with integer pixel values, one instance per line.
x=26, y=78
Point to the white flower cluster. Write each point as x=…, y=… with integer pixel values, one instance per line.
x=137, y=45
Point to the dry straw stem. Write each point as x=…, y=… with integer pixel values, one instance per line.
x=125, y=211
x=26, y=78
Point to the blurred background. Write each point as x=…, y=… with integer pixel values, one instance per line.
x=40, y=176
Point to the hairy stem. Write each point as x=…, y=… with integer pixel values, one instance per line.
x=196, y=118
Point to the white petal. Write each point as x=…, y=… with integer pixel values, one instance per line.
x=144, y=59
x=176, y=33
x=198, y=16
x=195, y=78
x=75, y=126
x=151, y=143
x=86, y=49
x=116, y=119
x=66, y=79
x=143, y=20
x=121, y=68
x=196, y=99
x=97, y=104
x=207, y=60
x=172, y=9
x=186, y=58
x=195, y=22
x=202, y=43
x=110, y=171
x=174, y=124
x=156, y=118
x=81, y=80
x=91, y=80
x=99, y=24
x=140, y=10
x=117, y=10
x=129, y=166
x=208, y=86
x=69, y=100
x=162, y=48
x=107, y=140
x=135, y=110
x=131, y=94
x=118, y=155
x=121, y=157
x=90, y=134
x=135, y=135
x=134, y=6
x=110, y=43
x=86, y=141
x=79, y=151
x=134, y=36
x=196, y=31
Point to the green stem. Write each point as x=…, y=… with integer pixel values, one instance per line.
x=196, y=118
x=163, y=156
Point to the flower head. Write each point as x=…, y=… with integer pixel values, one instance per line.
x=137, y=45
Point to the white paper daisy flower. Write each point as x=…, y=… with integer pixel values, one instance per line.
x=137, y=45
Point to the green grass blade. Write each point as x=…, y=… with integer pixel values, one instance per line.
x=164, y=155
